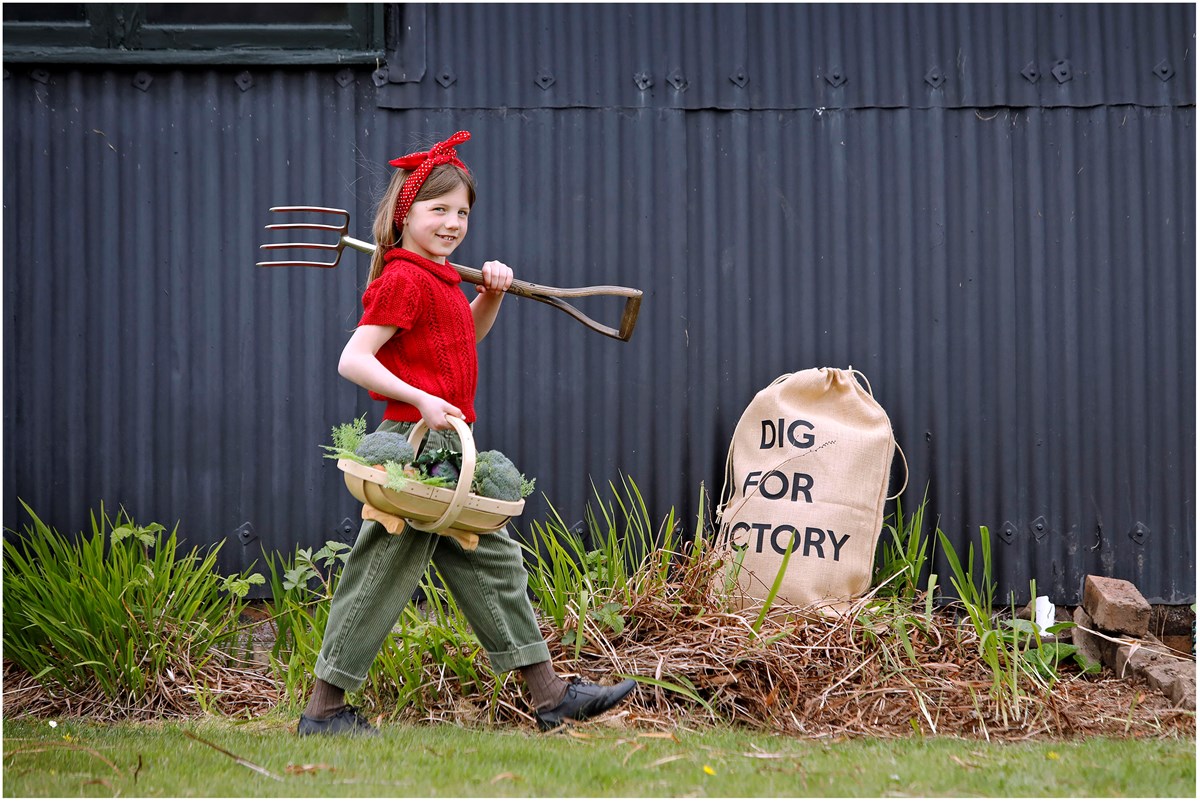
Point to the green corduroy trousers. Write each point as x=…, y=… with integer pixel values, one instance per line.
x=383, y=570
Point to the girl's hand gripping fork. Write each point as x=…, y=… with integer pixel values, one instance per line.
x=537, y=292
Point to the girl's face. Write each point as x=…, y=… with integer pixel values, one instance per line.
x=434, y=228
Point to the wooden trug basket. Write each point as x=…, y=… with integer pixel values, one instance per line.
x=456, y=513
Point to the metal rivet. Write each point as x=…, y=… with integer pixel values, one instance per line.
x=835, y=76
x=1039, y=527
x=446, y=78
x=40, y=75
x=1139, y=533
x=935, y=77
x=544, y=80
x=345, y=77
x=143, y=80
x=245, y=534
x=1061, y=71
x=1008, y=532
x=1031, y=73
x=347, y=527
x=1164, y=70
x=677, y=80
x=244, y=80
x=380, y=76
x=739, y=78
x=642, y=80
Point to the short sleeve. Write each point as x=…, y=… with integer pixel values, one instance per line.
x=393, y=299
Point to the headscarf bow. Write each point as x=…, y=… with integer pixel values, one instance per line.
x=422, y=163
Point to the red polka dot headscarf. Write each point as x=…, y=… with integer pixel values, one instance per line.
x=422, y=163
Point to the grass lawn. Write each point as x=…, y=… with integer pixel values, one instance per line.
x=77, y=758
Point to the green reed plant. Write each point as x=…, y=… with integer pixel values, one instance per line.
x=626, y=538
x=897, y=614
x=118, y=608
x=900, y=566
x=896, y=625
x=301, y=589
x=557, y=571
x=976, y=597
x=575, y=585
x=1012, y=648
x=904, y=553
x=775, y=585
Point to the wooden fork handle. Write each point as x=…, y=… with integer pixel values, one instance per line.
x=629, y=314
x=553, y=296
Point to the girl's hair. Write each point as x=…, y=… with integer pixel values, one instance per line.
x=443, y=179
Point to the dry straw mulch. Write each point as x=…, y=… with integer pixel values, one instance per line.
x=227, y=688
x=827, y=679
x=850, y=675
x=804, y=675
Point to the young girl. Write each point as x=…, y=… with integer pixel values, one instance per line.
x=415, y=349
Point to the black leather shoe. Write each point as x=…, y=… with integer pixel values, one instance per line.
x=346, y=721
x=583, y=701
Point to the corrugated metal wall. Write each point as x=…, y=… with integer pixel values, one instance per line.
x=1010, y=258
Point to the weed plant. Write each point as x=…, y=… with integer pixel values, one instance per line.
x=900, y=566
x=301, y=588
x=578, y=587
x=1023, y=667
x=121, y=610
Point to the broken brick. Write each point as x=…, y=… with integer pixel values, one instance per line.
x=1163, y=676
x=1089, y=646
x=1138, y=658
x=1116, y=605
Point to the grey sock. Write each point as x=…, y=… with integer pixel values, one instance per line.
x=546, y=689
x=326, y=700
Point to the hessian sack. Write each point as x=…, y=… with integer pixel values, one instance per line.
x=808, y=472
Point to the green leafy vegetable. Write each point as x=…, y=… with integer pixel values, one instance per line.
x=496, y=477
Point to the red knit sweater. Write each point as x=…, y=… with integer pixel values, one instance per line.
x=433, y=348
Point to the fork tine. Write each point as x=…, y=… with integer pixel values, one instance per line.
x=312, y=226
x=296, y=264
x=321, y=209
x=322, y=246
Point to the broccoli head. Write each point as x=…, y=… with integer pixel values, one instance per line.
x=378, y=448
x=496, y=477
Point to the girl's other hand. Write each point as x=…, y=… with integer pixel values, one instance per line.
x=497, y=277
x=435, y=411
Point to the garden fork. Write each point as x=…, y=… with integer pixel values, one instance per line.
x=537, y=292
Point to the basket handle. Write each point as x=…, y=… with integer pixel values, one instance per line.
x=463, y=489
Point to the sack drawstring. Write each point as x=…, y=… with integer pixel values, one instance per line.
x=721, y=502
x=903, y=459
x=906, y=474
x=866, y=381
